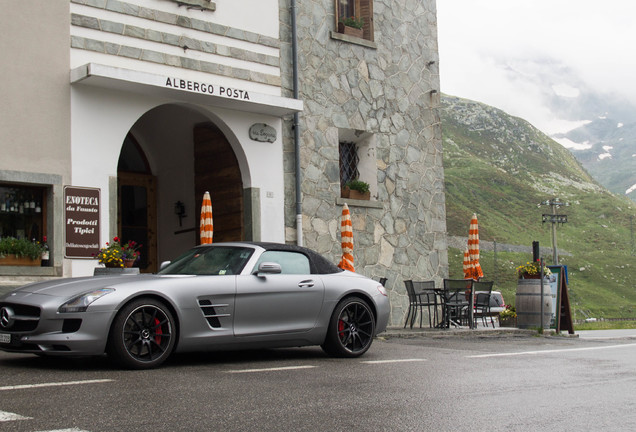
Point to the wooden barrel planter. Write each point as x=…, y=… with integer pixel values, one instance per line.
x=528, y=303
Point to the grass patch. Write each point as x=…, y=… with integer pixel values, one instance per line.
x=605, y=325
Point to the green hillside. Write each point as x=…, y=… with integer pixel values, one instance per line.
x=501, y=167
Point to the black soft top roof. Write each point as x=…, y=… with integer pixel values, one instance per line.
x=318, y=263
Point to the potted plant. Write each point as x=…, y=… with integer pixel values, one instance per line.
x=130, y=253
x=116, y=255
x=112, y=255
x=21, y=252
x=356, y=189
x=508, y=317
x=533, y=295
x=532, y=270
x=351, y=26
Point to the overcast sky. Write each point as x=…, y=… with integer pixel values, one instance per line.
x=493, y=51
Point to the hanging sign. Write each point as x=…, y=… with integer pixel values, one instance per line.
x=262, y=132
x=81, y=218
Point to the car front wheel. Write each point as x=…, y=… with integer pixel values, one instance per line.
x=351, y=329
x=143, y=334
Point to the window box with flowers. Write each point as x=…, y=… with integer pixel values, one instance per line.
x=351, y=26
x=356, y=189
x=20, y=252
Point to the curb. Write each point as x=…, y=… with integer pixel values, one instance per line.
x=398, y=332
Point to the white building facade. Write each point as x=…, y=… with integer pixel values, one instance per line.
x=163, y=100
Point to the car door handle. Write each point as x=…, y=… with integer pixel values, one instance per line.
x=306, y=284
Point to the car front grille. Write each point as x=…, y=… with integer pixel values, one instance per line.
x=17, y=318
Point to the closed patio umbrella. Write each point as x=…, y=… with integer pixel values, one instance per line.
x=346, y=240
x=467, y=266
x=206, y=227
x=473, y=248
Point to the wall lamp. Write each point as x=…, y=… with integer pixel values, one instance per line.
x=179, y=210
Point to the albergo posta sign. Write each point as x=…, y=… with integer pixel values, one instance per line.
x=81, y=218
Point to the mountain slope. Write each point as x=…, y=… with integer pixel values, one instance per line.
x=501, y=167
x=611, y=158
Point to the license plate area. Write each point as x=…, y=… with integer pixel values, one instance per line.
x=5, y=338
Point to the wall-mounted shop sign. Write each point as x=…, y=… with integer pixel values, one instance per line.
x=205, y=88
x=262, y=132
x=81, y=217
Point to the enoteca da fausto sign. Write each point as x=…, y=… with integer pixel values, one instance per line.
x=81, y=217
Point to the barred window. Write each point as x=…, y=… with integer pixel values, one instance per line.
x=348, y=162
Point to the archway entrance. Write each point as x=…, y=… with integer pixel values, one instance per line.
x=173, y=155
x=137, y=203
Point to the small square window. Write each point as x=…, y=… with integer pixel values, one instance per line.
x=361, y=11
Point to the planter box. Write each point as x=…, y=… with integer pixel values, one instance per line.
x=354, y=194
x=507, y=322
x=12, y=260
x=350, y=31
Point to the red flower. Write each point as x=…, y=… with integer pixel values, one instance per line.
x=115, y=239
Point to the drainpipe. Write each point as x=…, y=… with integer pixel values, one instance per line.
x=296, y=127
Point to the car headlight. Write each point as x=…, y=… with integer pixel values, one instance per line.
x=81, y=302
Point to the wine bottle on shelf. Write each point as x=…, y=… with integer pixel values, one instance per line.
x=45, y=253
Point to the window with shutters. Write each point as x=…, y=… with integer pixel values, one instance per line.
x=358, y=9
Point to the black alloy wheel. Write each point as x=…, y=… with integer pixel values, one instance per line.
x=351, y=329
x=143, y=334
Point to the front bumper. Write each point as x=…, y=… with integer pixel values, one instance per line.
x=53, y=333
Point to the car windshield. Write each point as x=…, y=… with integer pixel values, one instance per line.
x=214, y=260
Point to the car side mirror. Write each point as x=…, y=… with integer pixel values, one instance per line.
x=164, y=265
x=266, y=268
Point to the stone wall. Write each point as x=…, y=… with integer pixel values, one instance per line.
x=387, y=88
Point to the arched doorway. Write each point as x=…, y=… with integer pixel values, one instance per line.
x=137, y=203
x=174, y=155
x=216, y=170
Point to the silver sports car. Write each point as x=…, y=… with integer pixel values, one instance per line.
x=214, y=297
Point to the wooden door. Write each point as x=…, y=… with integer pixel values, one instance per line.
x=137, y=216
x=217, y=171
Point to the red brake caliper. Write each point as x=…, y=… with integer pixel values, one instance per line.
x=158, y=332
x=341, y=327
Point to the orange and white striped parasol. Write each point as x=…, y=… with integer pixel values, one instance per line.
x=473, y=248
x=206, y=227
x=346, y=240
x=467, y=266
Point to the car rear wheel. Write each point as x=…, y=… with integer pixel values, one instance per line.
x=351, y=329
x=142, y=335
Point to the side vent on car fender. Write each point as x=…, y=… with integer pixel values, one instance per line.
x=210, y=312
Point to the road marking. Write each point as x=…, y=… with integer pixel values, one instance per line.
x=7, y=416
x=549, y=351
x=54, y=384
x=66, y=430
x=285, y=368
x=393, y=361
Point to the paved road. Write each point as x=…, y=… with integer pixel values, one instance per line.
x=448, y=382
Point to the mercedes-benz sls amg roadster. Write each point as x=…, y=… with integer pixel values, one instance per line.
x=225, y=296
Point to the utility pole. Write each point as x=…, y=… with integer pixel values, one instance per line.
x=554, y=219
x=631, y=219
x=494, y=260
